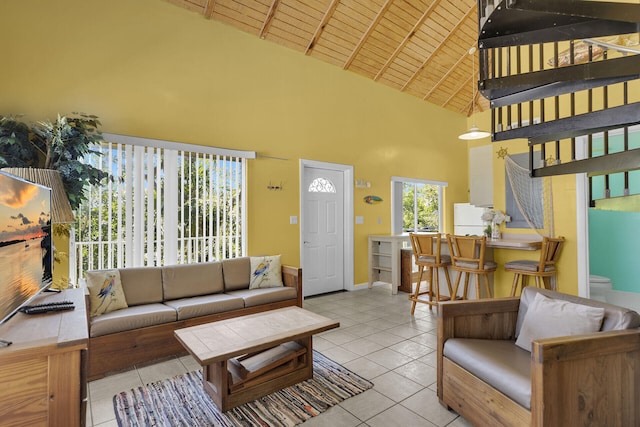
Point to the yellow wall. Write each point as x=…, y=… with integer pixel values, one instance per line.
x=151, y=69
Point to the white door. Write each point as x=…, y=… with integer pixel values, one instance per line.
x=322, y=231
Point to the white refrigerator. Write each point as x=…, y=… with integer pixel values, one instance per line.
x=467, y=219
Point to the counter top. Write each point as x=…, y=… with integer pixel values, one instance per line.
x=515, y=243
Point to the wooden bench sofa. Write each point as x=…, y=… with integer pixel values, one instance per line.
x=163, y=299
x=588, y=379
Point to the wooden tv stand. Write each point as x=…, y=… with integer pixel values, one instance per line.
x=42, y=372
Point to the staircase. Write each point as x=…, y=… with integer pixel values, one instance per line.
x=559, y=71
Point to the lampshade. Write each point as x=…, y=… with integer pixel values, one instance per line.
x=61, y=211
x=474, y=133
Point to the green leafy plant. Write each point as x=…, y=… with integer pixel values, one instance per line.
x=61, y=145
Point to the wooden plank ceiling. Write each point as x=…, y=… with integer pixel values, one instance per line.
x=420, y=47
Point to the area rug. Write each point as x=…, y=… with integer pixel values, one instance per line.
x=182, y=401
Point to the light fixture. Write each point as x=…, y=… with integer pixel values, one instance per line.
x=474, y=132
x=61, y=211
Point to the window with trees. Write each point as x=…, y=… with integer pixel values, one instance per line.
x=416, y=205
x=168, y=204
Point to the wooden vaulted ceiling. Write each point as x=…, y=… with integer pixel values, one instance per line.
x=420, y=47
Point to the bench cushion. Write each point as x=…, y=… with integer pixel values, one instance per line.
x=136, y=317
x=253, y=297
x=189, y=280
x=237, y=273
x=499, y=363
x=141, y=285
x=187, y=308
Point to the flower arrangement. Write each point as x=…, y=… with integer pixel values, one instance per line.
x=495, y=218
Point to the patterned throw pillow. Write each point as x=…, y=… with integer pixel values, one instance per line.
x=266, y=272
x=105, y=291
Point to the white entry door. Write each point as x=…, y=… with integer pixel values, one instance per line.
x=322, y=230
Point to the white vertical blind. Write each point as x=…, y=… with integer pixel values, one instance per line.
x=165, y=206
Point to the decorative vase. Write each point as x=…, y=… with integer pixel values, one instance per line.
x=495, y=231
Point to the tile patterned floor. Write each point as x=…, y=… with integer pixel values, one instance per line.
x=377, y=338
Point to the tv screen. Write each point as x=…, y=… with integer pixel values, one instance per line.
x=26, y=247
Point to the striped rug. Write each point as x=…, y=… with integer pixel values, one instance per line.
x=181, y=401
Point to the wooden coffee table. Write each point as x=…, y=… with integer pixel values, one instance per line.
x=248, y=357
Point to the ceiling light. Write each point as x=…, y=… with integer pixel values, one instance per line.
x=474, y=132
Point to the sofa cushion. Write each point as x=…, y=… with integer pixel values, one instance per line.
x=549, y=318
x=105, y=291
x=499, y=363
x=253, y=297
x=266, y=272
x=187, y=308
x=237, y=273
x=142, y=285
x=135, y=317
x=614, y=317
x=188, y=280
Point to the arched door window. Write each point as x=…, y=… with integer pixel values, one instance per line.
x=321, y=185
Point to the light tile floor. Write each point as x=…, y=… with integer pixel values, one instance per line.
x=378, y=339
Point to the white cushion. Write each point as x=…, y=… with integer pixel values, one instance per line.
x=105, y=291
x=548, y=318
x=266, y=272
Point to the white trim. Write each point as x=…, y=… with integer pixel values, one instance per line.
x=180, y=146
x=582, y=223
x=419, y=181
x=347, y=171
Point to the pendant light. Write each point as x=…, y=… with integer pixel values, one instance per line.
x=474, y=132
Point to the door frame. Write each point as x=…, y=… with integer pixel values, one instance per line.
x=347, y=178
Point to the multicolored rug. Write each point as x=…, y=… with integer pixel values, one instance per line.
x=182, y=401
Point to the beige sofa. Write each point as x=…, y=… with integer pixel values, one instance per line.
x=163, y=299
x=587, y=379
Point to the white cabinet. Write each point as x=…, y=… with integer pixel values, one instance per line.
x=481, y=176
x=384, y=259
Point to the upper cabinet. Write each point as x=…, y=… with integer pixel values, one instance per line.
x=481, y=176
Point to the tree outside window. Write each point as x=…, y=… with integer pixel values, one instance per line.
x=420, y=210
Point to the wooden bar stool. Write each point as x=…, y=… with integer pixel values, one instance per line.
x=543, y=270
x=467, y=258
x=426, y=250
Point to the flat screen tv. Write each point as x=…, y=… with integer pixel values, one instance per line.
x=26, y=248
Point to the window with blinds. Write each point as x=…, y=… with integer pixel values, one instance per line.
x=165, y=206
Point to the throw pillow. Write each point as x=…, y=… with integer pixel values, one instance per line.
x=105, y=291
x=548, y=318
x=266, y=272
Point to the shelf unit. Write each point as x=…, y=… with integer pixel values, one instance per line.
x=384, y=259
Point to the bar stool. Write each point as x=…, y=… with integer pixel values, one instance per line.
x=543, y=270
x=467, y=258
x=426, y=251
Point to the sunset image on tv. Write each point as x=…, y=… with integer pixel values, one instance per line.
x=25, y=241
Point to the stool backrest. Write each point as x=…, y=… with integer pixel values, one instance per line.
x=550, y=252
x=425, y=245
x=467, y=249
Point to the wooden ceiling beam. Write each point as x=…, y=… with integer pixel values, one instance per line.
x=208, y=9
x=267, y=21
x=457, y=93
x=445, y=76
x=406, y=39
x=437, y=49
x=323, y=23
x=367, y=33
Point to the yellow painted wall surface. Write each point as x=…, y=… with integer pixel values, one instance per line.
x=151, y=69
